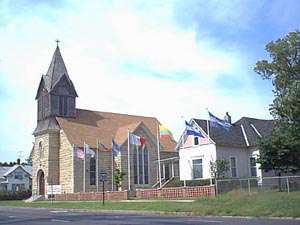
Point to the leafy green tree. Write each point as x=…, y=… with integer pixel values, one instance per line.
x=218, y=168
x=118, y=177
x=281, y=150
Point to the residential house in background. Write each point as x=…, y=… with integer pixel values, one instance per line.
x=237, y=144
x=15, y=178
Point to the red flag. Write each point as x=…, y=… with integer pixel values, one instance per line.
x=142, y=140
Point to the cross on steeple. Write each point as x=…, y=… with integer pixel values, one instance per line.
x=57, y=41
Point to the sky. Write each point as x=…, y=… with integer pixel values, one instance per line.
x=169, y=59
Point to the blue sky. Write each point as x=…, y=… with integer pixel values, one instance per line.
x=171, y=60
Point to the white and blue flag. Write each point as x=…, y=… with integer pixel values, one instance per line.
x=89, y=151
x=190, y=130
x=115, y=148
x=216, y=122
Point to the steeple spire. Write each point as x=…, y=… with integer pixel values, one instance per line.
x=56, y=69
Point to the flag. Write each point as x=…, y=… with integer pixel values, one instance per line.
x=136, y=140
x=89, y=151
x=165, y=132
x=115, y=148
x=216, y=122
x=79, y=153
x=190, y=130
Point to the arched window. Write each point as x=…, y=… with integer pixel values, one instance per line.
x=41, y=152
x=92, y=171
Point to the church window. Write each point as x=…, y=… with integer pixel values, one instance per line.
x=63, y=105
x=141, y=165
x=92, y=171
x=41, y=151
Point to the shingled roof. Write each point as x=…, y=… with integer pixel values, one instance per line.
x=234, y=137
x=56, y=71
x=90, y=126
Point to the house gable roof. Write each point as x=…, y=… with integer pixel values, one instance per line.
x=234, y=136
x=90, y=126
x=5, y=171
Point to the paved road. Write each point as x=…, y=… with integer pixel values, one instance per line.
x=28, y=216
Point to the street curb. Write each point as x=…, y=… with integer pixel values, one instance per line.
x=160, y=213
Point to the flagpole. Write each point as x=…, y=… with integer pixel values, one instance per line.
x=112, y=170
x=73, y=167
x=128, y=156
x=207, y=126
x=97, y=167
x=84, y=167
x=158, y=154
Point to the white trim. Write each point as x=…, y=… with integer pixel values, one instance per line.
x=256, y=131
x=245, y=135
x=167, y=159
x=73, y=185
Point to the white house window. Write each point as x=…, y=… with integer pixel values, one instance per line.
x=19, y=176
x=253, y=170
x=197, y=169
x=233, y=167
x=196, y=141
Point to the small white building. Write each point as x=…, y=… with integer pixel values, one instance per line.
x=237, y=145
x=15, y=178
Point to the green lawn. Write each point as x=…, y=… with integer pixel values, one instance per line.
x=235, y=204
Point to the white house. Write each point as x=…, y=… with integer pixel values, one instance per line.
x=15, y=178
x=237, y=145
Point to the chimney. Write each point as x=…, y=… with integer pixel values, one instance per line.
x=18, y=161
x=227, y=118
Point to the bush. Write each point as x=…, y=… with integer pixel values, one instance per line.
x=179, y=183
x=18, y=195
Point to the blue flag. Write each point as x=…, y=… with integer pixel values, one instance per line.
x=190, y=130
x=216, y=122
x=115, y=148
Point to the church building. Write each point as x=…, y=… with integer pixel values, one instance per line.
x=63, y=131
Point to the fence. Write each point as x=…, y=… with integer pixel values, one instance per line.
x=176, y=192
x=92, y=196
x=282, y=183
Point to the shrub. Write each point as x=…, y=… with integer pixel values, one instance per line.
x=17, y=195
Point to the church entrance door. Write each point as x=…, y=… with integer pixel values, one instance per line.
x=41, y=183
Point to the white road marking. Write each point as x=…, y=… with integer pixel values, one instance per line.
x=59, y=211
x=205, y=221
x=12, y=216
x=60, y=221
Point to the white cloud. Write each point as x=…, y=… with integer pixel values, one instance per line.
x=96, y=42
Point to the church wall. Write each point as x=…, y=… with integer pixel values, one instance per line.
x=105, y=163
x=66, y=165
x=46, y=159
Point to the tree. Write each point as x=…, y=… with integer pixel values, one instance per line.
x=281, y=150
x=218, y=168
x=118, y=177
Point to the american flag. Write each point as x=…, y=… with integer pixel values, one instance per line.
x=79, y=153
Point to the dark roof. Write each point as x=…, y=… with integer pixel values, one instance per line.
x=56, y=71
x=234, y=137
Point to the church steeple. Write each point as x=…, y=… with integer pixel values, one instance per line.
x=56, y=94
x=56, y=71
